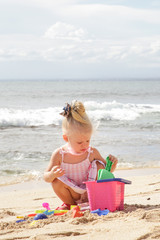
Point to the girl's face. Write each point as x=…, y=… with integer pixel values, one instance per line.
x=79, y=141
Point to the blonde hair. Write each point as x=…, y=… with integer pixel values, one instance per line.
x=75, y=118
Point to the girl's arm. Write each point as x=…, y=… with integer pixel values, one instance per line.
x=97, y=156
x=114, y=160
x=53, y=170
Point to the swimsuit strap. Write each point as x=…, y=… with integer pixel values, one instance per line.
x=62, y=152
x=89, y=152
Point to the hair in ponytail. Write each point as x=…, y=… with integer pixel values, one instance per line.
x=75, y=118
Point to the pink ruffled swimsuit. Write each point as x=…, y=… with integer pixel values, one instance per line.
x=78, y=173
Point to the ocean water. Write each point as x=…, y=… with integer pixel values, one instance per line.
x=125, y=114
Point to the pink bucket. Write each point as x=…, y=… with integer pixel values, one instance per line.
x=106, y=194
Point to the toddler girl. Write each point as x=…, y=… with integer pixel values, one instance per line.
x=75, y=162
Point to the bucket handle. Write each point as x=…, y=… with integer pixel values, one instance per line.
x=115, y=179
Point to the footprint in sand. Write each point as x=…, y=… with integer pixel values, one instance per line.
x=155, y=234
x=152, y=216
x=55, y=235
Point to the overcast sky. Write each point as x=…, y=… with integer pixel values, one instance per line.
x=41, y=39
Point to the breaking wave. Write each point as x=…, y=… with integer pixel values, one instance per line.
x=105, y=111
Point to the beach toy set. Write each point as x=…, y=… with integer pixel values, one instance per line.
x=105, y=195
x=107, y=192
x=43, y=214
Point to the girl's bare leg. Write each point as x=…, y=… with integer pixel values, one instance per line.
x=64, y=192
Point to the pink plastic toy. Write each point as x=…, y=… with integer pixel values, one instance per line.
x=106, y=194
x=46, y=205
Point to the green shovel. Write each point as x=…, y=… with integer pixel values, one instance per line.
x=105, y=173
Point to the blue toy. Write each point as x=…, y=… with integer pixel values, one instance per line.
x=100, y=212
x=40, y=216
x=48, y=212
x=21, y=220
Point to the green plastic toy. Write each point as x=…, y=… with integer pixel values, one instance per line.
x=105, y=173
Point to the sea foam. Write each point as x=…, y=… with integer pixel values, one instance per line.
x=106, y=111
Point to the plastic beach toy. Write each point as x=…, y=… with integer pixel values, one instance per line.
x=40, y=211
x=46, y=205
x=21, y=220
x=105, y=173
x=101, y=212
x=48, y=212
x=33, y=222
x=40, y=216
x=32, y=215
x=106, y=194
x=76, y=212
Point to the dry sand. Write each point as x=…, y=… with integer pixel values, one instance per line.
x=139, y=220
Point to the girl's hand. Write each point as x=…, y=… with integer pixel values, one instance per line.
x=114, y=160
x=56, y=171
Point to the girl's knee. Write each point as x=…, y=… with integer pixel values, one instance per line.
x=57, y=184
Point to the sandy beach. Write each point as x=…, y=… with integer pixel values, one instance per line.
x=139, y=220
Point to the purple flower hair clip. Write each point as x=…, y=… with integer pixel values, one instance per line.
x=66, y=111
